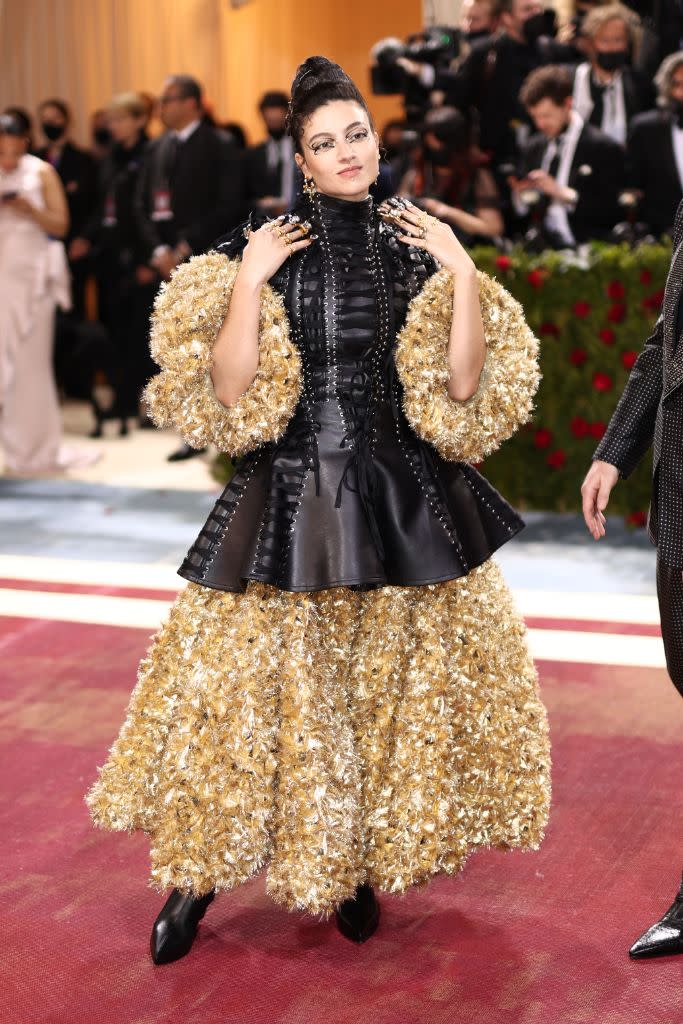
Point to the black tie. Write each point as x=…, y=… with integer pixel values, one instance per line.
x=554, y=165
x=172, y=158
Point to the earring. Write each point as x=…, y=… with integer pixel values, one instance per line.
x=310, y=188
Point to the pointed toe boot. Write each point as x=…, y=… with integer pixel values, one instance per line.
x=358, y=918
x=665, y=937
x=176, y=926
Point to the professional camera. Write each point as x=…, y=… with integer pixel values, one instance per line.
x=438, y=46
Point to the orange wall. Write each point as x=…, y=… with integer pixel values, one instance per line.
x=87, y=50
x=264, y=41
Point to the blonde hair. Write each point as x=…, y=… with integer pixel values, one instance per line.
x=129, y=103
x=599, y=16
x=665, y=73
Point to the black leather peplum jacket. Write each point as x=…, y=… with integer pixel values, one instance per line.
x=349, y=495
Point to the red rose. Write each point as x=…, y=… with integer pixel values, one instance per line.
x=636, y=519
x=645, y=276
x=581, y=309
x=579, y=427
x=549, y=328
x=628, y=359
x=535, y=278
x=543, y=438
x=602, y=382
x=654, y=301
x=607, y=336
x=615, y=290
x=597, y=430
x=556, y=459
x=616, y=313
x=578, y=356
x=503, y=262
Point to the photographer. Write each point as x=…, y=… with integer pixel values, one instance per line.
x=486, y=85
x=450, y=180
x=572, y=169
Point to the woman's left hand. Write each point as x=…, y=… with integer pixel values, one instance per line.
x=426, y=232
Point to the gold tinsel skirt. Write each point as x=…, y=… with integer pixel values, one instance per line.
x=333, y=737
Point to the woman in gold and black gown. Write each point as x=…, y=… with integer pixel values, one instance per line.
x=343, y=693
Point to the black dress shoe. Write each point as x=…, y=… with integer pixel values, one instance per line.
x=665, y=938
x=184, y=452
x=175, y=928
x=357, y=918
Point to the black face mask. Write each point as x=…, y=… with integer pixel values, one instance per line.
x=535, y=27
x=613, y=60
x=52, y=131
x=277, y=133
x=102, y=136
x=471, y=37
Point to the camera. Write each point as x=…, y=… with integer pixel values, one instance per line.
x=438, y=46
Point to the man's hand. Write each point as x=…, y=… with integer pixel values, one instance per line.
x=595, y=492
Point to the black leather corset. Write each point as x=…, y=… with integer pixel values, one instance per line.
x=349, y=496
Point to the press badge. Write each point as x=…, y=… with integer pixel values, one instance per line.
x=161, y=204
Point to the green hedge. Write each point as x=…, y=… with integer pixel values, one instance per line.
x=592, y=314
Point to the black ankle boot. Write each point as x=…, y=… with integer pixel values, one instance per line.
x=665, y=937
x=175, y=928
x=357, y=918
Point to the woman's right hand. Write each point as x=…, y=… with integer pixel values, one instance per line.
x=270, y=245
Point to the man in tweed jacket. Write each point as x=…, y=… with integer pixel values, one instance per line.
x=650, y=412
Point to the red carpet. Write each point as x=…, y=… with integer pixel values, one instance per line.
x=519, y=938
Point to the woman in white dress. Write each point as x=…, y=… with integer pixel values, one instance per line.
x=33, y=281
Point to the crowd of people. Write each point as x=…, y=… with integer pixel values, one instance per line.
x=551, y=138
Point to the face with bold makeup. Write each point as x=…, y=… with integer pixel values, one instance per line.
x=340, y=150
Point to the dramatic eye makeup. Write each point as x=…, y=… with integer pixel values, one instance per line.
x=355, y=132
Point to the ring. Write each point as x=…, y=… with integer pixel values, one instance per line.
x=423, y=231
x=279, y=232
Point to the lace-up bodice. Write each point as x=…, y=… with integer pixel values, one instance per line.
x=349, y=496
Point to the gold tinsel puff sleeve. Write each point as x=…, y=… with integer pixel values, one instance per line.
x=466, y=431
x=188, y=313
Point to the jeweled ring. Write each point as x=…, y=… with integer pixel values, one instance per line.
x=422, y=232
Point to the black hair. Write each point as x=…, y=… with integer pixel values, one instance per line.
x=23, y=118
x=318, y=81
x=274, y=99
x=11, y=125
x=188, y=88
x=450, y=126
x=61, y=106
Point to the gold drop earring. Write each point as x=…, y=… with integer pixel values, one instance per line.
x=310, y=188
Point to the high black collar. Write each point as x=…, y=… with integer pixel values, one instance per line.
x=333, y=210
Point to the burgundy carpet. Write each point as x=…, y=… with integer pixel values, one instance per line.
x=523, y=938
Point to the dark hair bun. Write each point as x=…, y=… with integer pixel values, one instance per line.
x=318, y=81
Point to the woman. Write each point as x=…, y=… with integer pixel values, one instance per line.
x=33, y=281
x=451, y=181
x=343, y=693
x=126, y=285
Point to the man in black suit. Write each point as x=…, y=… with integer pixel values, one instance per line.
x=650, y=413
x=571, y=167
x=271, y=173
x=78, y=172
x=654, y=165
x=191, y=186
